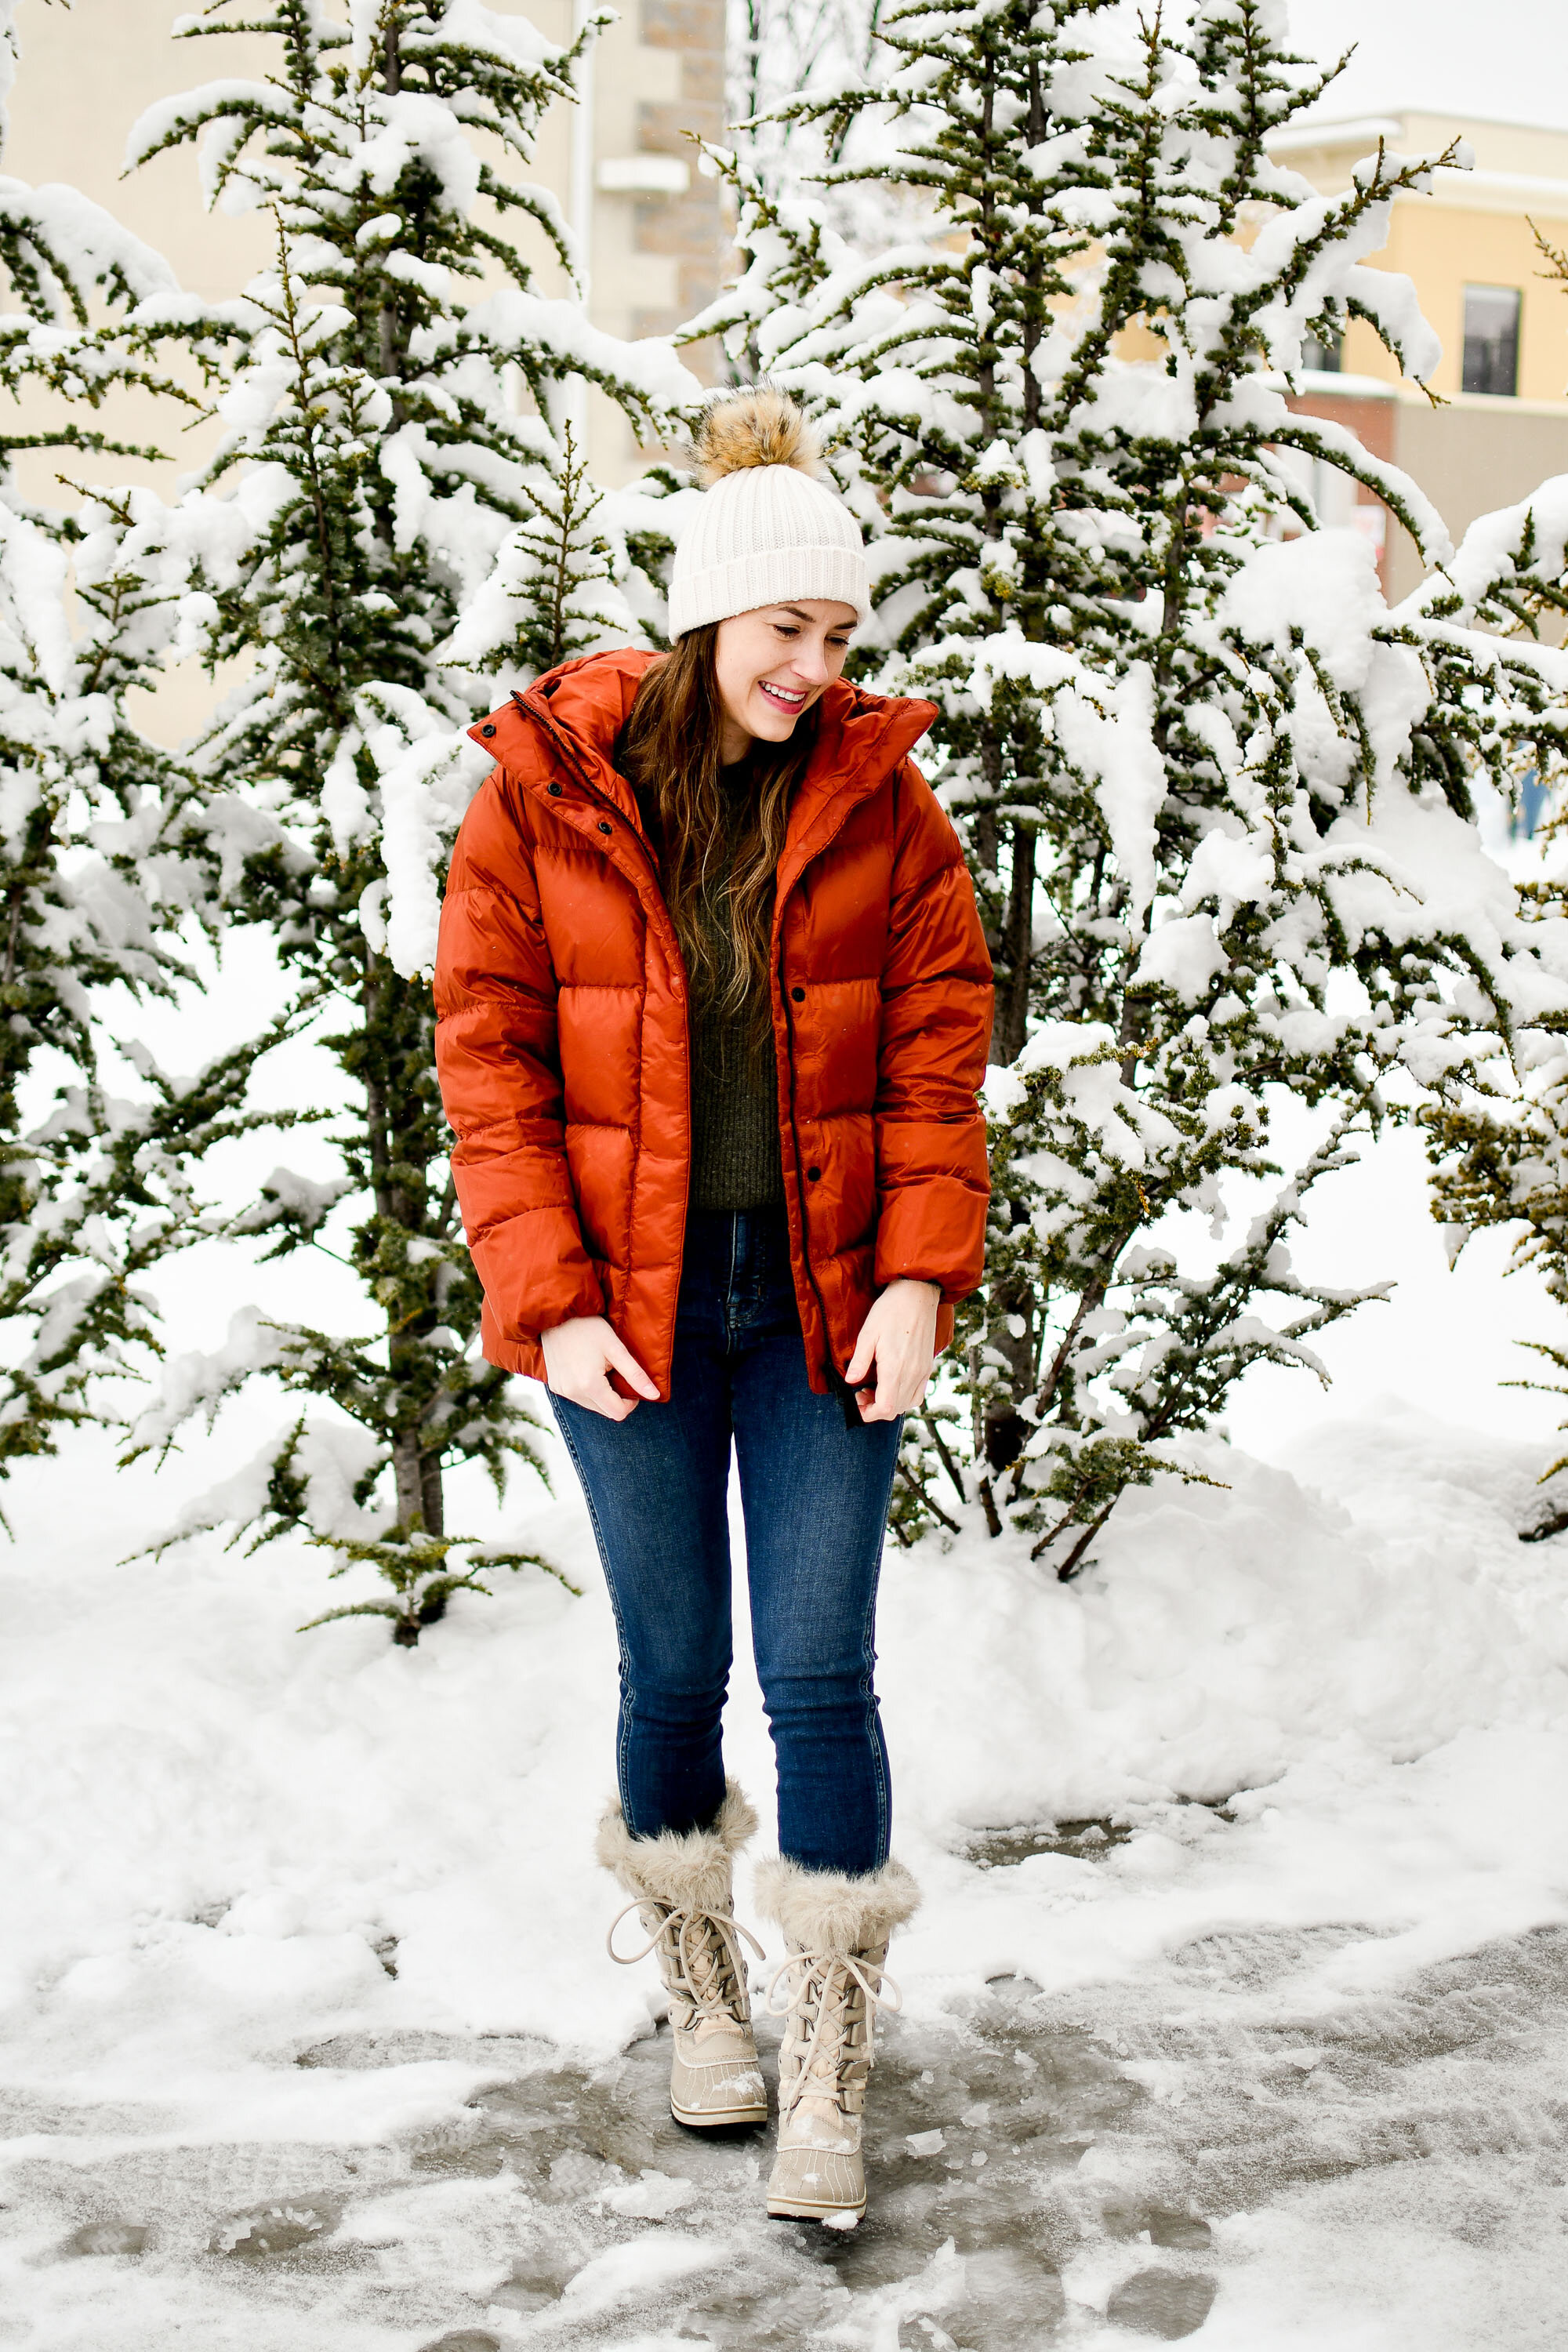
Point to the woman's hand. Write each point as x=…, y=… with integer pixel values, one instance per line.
x=899, y=1337
x=579, y=1357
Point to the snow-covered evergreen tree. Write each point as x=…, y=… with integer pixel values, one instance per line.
x=1500, y=1146
x=382, y=486
x=101, y=855
x=556, y=590
x=1214, y=796
x=781, y=50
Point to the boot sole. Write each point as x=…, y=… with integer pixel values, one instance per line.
x=727, y=2119
x=798, y=2210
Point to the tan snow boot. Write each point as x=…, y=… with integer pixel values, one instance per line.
x=682, y=1886
x=836, y=1929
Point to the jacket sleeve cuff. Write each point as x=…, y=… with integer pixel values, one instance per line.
x=535, y=1272
x=933, y=1232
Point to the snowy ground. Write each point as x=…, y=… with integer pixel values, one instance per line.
x=1238, y=2010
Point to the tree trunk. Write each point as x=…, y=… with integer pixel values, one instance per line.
x=1013, y=997
x=407, y=1469
x=431, y=1494
x=399, y=1150
x=387, y=334
x=1006, y=1431
x=986, y=830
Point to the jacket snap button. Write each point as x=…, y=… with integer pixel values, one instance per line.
x=606, y=828
x=812, y=1175
x=487, y=731
x=554, y=791
x=798, y=994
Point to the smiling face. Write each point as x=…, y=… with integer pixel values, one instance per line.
x=773, y=664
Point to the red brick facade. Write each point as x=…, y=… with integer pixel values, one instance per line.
x=1374, y=421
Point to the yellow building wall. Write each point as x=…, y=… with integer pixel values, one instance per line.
x=1474, y=228
x=1471, y=452
x=1443, y=249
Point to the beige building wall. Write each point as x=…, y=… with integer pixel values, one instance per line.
x=619, y=163
x=1469, y=461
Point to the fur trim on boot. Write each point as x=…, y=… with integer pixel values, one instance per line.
x=689, y=1871
x=832, y=1981
x=830, y=1910
x=680, y=1889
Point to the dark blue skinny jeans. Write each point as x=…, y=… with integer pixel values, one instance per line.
x=815, y=1495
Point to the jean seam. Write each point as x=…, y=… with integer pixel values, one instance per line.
x=629, y=1689
x=869, y=1654
x=730, y=1285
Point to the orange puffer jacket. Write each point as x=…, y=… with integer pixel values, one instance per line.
x=562, y=1040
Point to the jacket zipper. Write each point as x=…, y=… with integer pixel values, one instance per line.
x=603, y=800
x=841, y=1386
x=848, y=1397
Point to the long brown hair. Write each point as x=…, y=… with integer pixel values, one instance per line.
x=712, y=841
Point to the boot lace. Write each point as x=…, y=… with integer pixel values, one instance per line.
x=699, y=1959
x=820, y=1997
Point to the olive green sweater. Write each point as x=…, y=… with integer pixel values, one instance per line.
x=735, y=1145
x=735, y=1149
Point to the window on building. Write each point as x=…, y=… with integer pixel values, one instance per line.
x=1491, y=339
x=1324, y=353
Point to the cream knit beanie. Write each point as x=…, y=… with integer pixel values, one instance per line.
x=767, y=529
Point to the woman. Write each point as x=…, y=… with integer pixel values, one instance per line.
x=714, y=1003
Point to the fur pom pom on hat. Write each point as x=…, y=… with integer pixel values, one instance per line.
x=754, y=428
x=768, y=529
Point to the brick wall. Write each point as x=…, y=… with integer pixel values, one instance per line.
x=1373, y=418
x=689, y=229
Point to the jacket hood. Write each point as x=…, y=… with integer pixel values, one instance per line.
x=582, y=707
